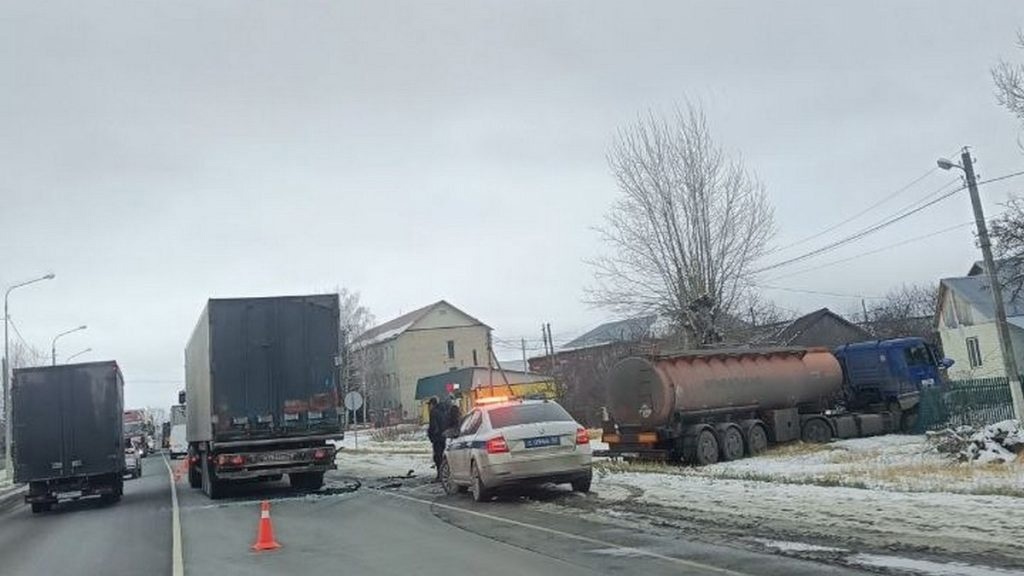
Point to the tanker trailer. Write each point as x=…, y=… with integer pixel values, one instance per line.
x=704, y=406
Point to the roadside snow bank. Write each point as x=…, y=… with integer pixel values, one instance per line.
x=998, y=443
x=898, y=463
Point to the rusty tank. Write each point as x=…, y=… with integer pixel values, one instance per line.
x=648, y=391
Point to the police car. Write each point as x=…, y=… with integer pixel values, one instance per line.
x=503, y=443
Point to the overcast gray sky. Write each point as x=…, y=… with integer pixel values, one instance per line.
x=154, y=154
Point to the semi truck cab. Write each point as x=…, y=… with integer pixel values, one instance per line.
x=890, y=374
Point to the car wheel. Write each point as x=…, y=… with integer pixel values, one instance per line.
x=449, y=486
x=477, y=487
x=583, y=484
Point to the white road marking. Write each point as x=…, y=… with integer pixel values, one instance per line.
x=623, y=549
x=177, y=562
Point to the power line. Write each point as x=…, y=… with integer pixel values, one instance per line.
x=887, y=198
x=864, y=232
x=905, y=213
x=818, y=292
x=870, y=252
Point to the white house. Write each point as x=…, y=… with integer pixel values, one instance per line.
x=433, y=339
x=966, y=323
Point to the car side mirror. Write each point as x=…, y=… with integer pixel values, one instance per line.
x=947, y=363
x=451, y=433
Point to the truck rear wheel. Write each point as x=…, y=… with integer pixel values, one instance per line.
x=817, y=431
x=732, y=442
x=212, y=487
x=757, y=439
x=704, y=449
x=195, y=479
x=39, y=507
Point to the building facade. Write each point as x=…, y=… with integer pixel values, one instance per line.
x=394, y=355
x=966, y=324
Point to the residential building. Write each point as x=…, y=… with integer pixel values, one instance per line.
x=966, y=324
x=819, y=328
x=396, y=354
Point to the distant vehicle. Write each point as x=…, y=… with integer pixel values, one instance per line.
x=711, y=405
x=68, y=432
x=132, y=462
x=501, y=444
x=177, y=442
x=137, y=429
x=261, y=379
x=165, y=435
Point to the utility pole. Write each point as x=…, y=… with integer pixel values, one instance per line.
x=864, y=307
x=551, y=345
x=522, y=342
x=1009, y=361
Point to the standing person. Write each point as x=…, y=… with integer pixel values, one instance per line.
x=453, y=414
x=435, y=432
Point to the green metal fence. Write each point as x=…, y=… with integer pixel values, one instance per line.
x=965, y=402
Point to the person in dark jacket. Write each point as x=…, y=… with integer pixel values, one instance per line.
x=435, y=432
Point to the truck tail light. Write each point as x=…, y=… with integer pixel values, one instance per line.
x=230, y=460
x=582, y=437
x=320, y=453
x=497, y=445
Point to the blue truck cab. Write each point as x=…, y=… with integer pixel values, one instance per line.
x=890, y=374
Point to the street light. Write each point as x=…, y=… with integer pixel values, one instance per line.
x=7, y=373
x=53, y=345
x=1002, y=328
x=77, y=354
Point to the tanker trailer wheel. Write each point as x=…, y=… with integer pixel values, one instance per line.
x=757, y=439
x=732, y=442
x=817, y=431
x=704, y=449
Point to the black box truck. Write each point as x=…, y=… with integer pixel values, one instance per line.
x=261, y=383
x=68, y=432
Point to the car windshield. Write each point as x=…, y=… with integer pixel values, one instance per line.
x=527, y=414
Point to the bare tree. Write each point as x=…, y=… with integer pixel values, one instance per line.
x=683, y=236
x=354, y=319
x=908, y=310
x=1007, y=230
x=1009, y=81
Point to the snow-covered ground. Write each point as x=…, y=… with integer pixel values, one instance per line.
x=895, y=463
x=889, y=493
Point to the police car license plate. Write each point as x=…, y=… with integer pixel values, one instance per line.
x=541, y=441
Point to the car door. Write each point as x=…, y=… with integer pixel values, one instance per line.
x=460, y=447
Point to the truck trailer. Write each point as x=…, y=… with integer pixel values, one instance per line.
x=709, y=405
x=261, y=382
x=68, y=432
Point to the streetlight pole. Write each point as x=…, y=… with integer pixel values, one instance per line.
x=53, y=345
x=7, y=374
x=1002, y=327
x=77, y=354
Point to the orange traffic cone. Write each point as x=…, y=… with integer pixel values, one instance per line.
x=265, y=536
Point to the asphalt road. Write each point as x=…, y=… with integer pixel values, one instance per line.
x=371, y=530
x=129, y=538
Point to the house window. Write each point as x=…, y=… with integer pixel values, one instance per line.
x=973, y=352
x=451, y=349
x=474, y=357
